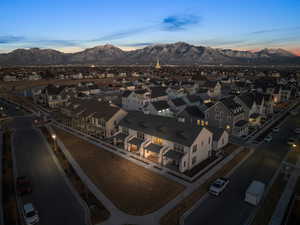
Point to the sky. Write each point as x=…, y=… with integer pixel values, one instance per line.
x=73, y=25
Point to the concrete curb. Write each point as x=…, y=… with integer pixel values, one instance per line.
x=15, y=173
x=1, y=184
x=75, y=193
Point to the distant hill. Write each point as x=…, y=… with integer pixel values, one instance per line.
x=179, y=53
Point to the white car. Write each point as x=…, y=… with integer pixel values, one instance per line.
x=30, y=214
x=218, y=186
x=297, y=130
x=275, y=129
x=268, y=138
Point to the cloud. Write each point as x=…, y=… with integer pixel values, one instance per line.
x=179, y=22
x=11, y=39
x=276, y=30
x=57, y=43
x=222, y=42
x=121, y=34
x=139, y=44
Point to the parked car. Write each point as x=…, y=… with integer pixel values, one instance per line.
x=23, y=185
x=254, y=192
x=268, y=138
x=297, y=130
x=275, y=129
x=30, y=214
x=294, y=112
x=218, y=186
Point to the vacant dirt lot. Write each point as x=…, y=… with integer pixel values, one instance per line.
x=133, y=189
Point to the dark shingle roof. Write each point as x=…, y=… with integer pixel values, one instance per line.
x=194, y=111
x=158, y=92
x=194, y=98
x=126, y=94
x=162, y=127
x=160, y=105
x=178, y=101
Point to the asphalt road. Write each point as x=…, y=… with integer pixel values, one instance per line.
x=52, y=197
x=229, y=208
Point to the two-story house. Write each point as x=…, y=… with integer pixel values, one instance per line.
x=228, y=114
x=165, y=140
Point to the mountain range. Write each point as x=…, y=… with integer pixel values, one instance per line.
x=179, y=53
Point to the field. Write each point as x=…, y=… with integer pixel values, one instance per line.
x=132, y=188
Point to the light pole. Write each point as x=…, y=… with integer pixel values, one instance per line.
x=54, y=140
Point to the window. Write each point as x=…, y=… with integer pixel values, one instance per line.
x=194, y=159
x=140, y=135
x=222, y=141
x=202, y=143
x=194, y=148
x=209, y=140
x=157, y=140
x=198, y=122
x=184, y=164
x=125, y=130
x=178, y=147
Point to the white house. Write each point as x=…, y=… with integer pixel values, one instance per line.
x=164, y=140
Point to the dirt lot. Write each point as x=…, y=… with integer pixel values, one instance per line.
x=133, y=189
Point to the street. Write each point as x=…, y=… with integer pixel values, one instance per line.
x=229, y=208
x=52, y=196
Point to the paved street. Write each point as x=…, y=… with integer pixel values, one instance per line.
x=229, y=208
x=53, y=198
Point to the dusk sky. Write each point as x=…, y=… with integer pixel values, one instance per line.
x=71, y=26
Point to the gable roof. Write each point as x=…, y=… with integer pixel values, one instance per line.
x=194, y=111
x=178, y=102
x=160, y=105
x=157, y=92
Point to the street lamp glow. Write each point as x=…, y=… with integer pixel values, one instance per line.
x=54, y=136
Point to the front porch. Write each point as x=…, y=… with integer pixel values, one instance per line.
x=241, y=128
x=153, y=152
x=134, y=145
x=119, y=140
x=172, y=160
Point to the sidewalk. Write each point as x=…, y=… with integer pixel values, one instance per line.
x=1, y=199
x=279, y=213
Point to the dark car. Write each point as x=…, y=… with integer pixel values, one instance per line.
x=23, y=185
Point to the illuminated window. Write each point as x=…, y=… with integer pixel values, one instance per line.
x=158, y=141
x=227, y=127
x=198, y=122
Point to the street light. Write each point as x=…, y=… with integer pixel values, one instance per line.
x=54, y=140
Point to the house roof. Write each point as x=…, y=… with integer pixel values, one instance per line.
x=98, y=109
x=54, y=90
x=162, y=127
x=160, y=105
x=217, y=132
x=126, y=94
x=172, y=154
x=241, y=123
x=158, y=92
x=247, y=99
x=194, y=111
x=231, y=104
x=194, y=98
x=178, y=102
